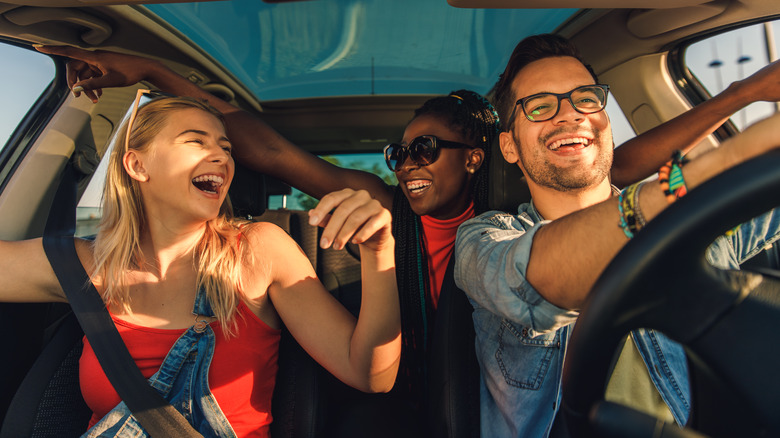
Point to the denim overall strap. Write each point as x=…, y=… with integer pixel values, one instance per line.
x=183, y=380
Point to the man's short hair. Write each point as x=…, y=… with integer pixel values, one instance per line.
x=530, y=49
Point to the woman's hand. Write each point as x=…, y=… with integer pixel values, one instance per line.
x=91, y=71
x=353, y=216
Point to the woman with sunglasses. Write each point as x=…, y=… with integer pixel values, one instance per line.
x=193, y=290
x=441, y=166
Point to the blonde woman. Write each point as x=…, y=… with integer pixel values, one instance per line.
x=199, y=296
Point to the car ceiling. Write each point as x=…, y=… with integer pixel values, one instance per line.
x=351, y=71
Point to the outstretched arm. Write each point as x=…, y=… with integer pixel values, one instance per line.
x=363, y=353
x=27, y=275
x=568, y=254
x=256, y=144
x=592, y=237
x=639, y=157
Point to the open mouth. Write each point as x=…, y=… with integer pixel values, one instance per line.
x=570, y=143
x=418, y=186
x=208, y=183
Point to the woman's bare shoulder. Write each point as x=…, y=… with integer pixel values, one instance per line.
x=261, y=233
x=268, y=242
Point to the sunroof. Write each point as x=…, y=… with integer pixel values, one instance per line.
x=321, y=48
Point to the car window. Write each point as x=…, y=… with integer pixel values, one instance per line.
x=88, y=210
x=26, y=74
x=718, y=61
x=621, y=129
x=370, y=162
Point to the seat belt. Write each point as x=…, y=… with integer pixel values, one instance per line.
x=152, y=411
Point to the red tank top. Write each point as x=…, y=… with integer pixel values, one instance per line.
x=241, y=377
x=439, y=238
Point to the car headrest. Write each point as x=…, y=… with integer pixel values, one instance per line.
x=507, y=188
x=250, y=191
x=275, y=187
x=247, y=193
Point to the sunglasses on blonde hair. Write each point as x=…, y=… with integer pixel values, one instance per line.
x=153, y=94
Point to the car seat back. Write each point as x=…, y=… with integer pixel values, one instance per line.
x=507, y=185
x=48, y=402
x=453, y=407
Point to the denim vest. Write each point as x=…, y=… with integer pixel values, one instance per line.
x=182, y=380
x=521, y=338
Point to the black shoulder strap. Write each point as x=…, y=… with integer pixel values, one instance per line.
x=155, y=414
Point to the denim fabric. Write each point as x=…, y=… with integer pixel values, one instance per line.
x=521, y=338
x=734, y=248
x=182, y=380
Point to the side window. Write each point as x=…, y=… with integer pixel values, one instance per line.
x=621, y=129
x=370, y=162
x=25, y=74
x=89, y=210
x=718, y=61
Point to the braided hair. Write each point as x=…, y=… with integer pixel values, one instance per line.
x=471, y=115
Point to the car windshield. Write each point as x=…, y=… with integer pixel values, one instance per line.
x=299, y=49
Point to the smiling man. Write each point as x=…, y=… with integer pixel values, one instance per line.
x=528, y=274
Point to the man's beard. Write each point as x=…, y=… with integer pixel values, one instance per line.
x=543, y=173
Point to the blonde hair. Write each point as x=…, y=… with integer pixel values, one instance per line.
x=117, y=247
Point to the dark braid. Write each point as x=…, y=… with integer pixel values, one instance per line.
x=412, y=277
x=471, y=115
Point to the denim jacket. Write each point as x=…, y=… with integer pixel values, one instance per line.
x=182, y=380
x=521, y=338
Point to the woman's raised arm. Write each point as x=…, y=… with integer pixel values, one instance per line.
x=363, y=352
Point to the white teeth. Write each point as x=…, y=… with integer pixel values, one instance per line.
x=208, y=183
x=213, y=178
x=417, y=185
x=566, y=141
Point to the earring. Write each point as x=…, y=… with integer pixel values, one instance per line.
x=471, y=170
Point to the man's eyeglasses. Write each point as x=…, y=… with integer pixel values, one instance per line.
x=153, y=94
x=423, y=150
x=539, y=107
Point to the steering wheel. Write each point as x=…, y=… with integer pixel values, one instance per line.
x=727, y=321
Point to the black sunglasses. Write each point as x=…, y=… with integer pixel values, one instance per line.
x=423, y=150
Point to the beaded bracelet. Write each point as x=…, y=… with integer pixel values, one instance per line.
x=634, y=218
x=671, y=178
x=623, y=222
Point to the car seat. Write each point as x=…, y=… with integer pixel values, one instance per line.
x=306, y=396
x=48, y=402
x=507, y=185
x=453, y=407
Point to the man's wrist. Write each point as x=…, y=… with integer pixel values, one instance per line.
x=737, y=96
